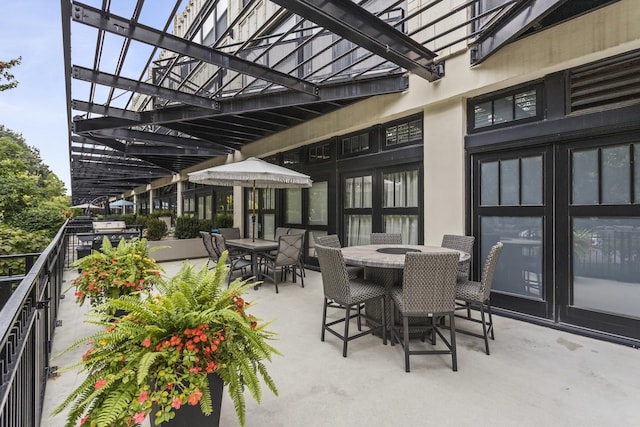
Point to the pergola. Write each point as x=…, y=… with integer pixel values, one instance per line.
x=144, y=103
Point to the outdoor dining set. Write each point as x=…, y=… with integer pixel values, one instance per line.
x=396, y=291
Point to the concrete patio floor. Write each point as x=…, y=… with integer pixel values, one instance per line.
x=535, y=376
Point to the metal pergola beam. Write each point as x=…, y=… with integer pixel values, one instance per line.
x=90, y=107
x=160, y=139
x=352, y=22
x=111, y=80
x=135, y=31
x=512, y=27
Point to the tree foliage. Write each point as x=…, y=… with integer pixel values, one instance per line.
x=10, y=79
x=32, y=197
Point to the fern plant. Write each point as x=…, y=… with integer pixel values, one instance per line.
x=158, y=356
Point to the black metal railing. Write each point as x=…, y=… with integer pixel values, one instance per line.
x=27, y=324
x=607, y=254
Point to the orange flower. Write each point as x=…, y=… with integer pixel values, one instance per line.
x=100, y=384
x=143, y=396
x=194, y=397
x=146, y=342
x=84, y=419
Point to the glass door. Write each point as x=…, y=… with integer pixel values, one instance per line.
x=601, y=289
x=512, y=204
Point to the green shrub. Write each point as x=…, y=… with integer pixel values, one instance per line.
x=156, y=229
x=224, y=220
x=161, y=212
x=188, y=227
x=38, y=219
x=129, y=219
x=17, y=241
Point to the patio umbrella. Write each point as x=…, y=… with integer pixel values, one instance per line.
x=254, y=173
x=85, y=206
x=120, y=204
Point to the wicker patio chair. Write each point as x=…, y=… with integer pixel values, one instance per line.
x=464, y=244
x=428, y=290
x=287, y=258
x=479, y=294
x=347, y=294
x=333, y=241
x=235, y=262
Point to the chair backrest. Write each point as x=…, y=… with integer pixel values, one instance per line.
x=280, y=231
x=331, y=241
x=219, y=244
x=289, y=249
x=460, y=243
x=489, y=269
x=429, y=282
x=335, y=278
x=230, y=232
x=207, y=239
x=386, y=238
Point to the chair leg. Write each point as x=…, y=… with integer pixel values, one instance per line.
x=383, y=321
x=490, y=321
x=405, y=333
x=345, y=338
x=484, y=329
x=454, y=352
x=359, y=320
x=324, y=318
x=393, y=322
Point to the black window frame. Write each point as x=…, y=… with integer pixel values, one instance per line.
x=538, y=87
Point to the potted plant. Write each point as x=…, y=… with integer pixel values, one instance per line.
x=114, y=271
x=160, y=357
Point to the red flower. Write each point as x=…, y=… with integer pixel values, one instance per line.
x=176, y=403
x=78, y=294
x=143, y=396
x=146, y=342
x=100, y=384
x=139, y=417
x=84, y=419
x=194, y=397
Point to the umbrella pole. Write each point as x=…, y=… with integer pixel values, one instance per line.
x=253, y=216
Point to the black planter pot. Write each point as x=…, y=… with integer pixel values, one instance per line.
x=192, y=416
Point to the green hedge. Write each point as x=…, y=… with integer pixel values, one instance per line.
x=188, y=227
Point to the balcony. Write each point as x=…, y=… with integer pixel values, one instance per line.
x=534, y=376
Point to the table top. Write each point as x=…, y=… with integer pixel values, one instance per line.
x=369, y=256
x=249, y=243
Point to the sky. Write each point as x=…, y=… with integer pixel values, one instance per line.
x=37, y=107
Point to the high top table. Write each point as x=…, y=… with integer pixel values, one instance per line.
x=384, y=264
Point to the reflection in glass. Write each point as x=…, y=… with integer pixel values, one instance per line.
x=584, y=182
x=519, y=269
x=318, y=200
x=311, y=251
x=606, y=267
x=483, y=114
x=489, y=184
x=509, y=182
x=525, y=104
x=531, y=170
x=357, y=229
x=616, y=175
x=503, y=110
x=293, y=212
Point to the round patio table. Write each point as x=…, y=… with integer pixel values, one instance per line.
x=383, y=264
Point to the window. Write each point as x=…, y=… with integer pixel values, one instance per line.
x=521, y=105
x=511, y=182
x=400, y=204
x=403, y=133
x=319, y=153
x=605, y=176
x=355, y=144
